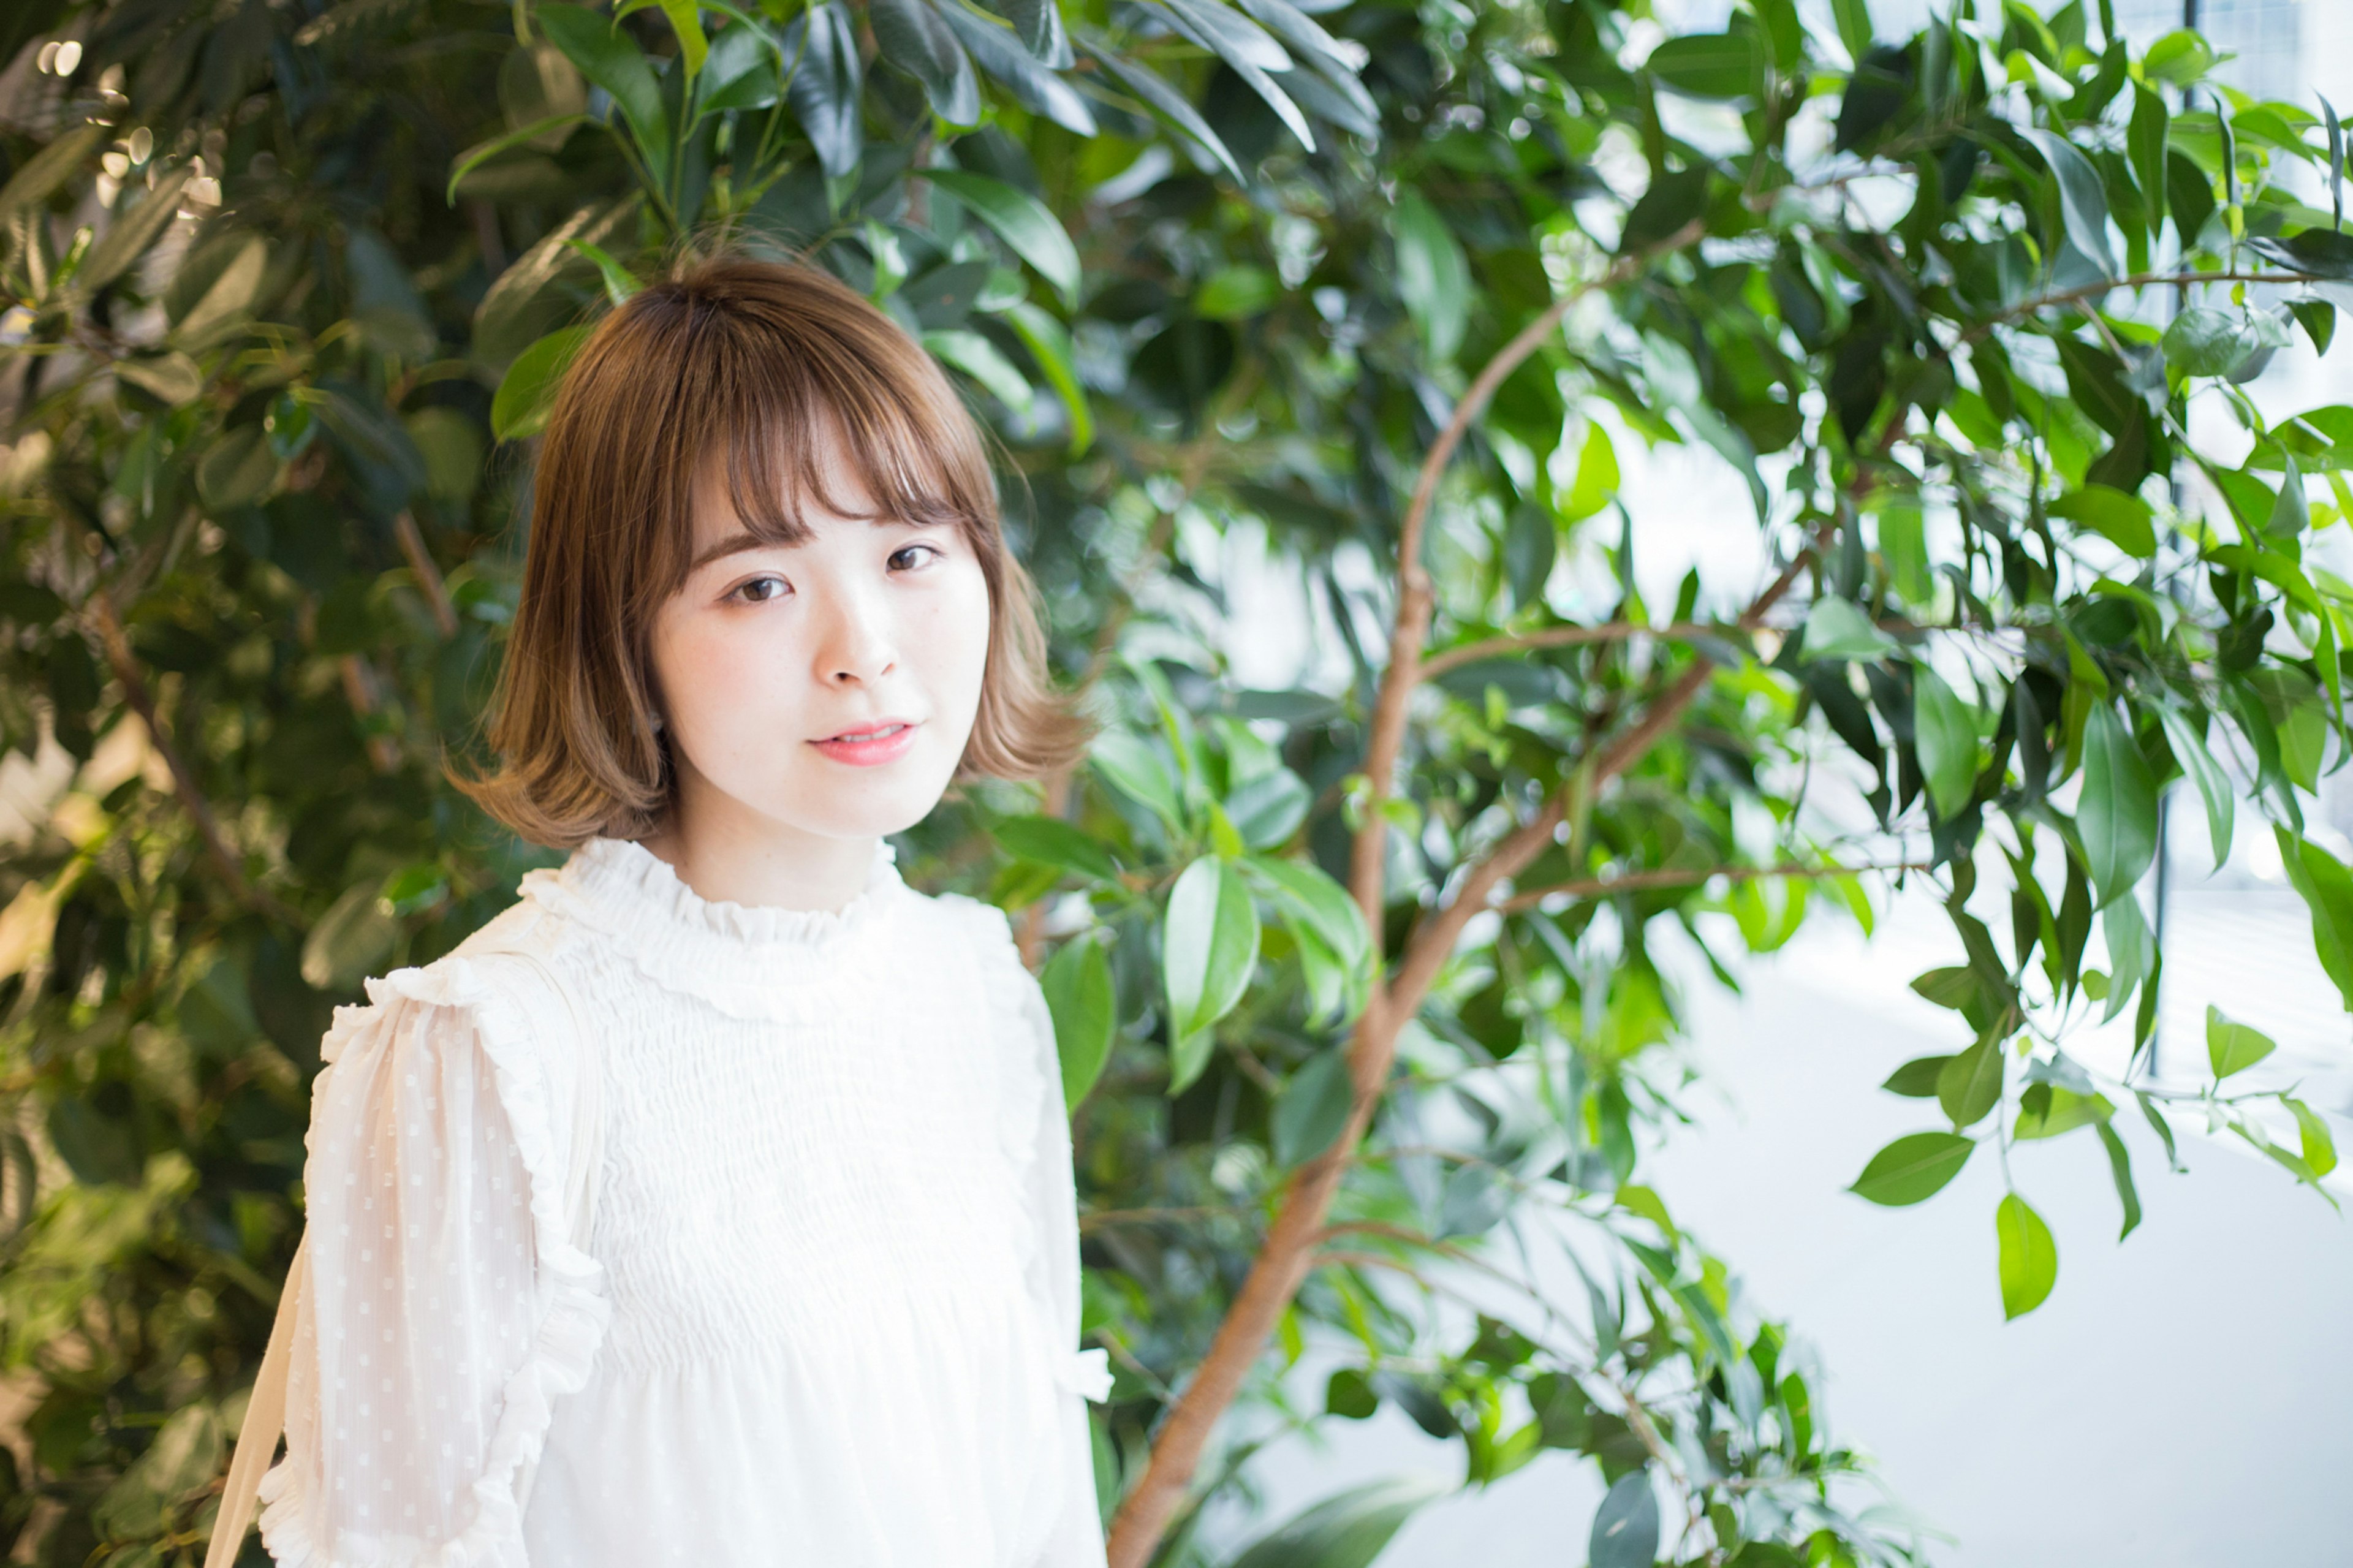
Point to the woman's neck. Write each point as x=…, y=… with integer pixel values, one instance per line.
x=765, y=863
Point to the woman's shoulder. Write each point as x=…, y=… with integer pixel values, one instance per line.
x=487, y=978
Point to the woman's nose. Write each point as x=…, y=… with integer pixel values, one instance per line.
x=861, y=643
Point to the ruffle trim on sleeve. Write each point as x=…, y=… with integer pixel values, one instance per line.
x=563, y=1345
x=1006, y=982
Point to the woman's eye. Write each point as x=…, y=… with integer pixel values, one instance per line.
x=750, y=591
x=905, y=549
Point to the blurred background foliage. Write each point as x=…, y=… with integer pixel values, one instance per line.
x=1355, y=975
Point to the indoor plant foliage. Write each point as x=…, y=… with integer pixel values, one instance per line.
x=1355, y=985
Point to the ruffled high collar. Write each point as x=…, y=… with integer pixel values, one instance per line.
x=748, y=959
x=633, y=880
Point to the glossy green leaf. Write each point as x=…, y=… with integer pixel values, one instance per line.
x=1432, y=275
x=43, y=173
x=1945, y=730
x=827, y=81
x=1837, y=628
x=527, y=392
x=605, y=54
x=1078, y=993
x=1345, y=1531
x=2326, y=889
x=1969, y=1085
x=1022, y=221
x=2145, y=149
x=1625, y=1529
x=1209, y=947
x=2319, y=1145
x=2083, y=205
x=985, y=363
x=2234, y=1048
x=910, y=35
x=2120, y=1171
x=1164, y=102
x=994, y=48
x=136, y=226
x=1914, y=1167
x=2116, y=813
x=1137, y=770
x=1051, y=841
x=2213, y=787
x=1710, y=65
x=2029, y=1258
x=1312, y=1108
x=2125, y=520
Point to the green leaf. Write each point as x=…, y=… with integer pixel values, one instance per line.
x=1304, y=888
x=2125, y=520
x=2145, y=150
x=2326, y=889
x=1208, y=949
x=1944, y=732
x=2083, y=205
x=1248, y=50
x=2120, y=1169
x=610, y=58
x=1080, y=995
x=685, y=23
x=51, y=167
x=2029, y=1258
x=1236, y=294
x=1854, y=29
x=996, y=51
x=1916, y=1079
x=482, y=152
x=1345, y=1531
x=127, y=237
x=1050, y=345
x=2178, y=58
x=1914, y=1167
x=1312, y=1108
x=2204, y=340
x=1970, y=1084
x=827, y=85
x=1432, y=276
x=1022, y=221
x=1051, y=841
x=1710, y=65
x=2053, y=1109
x=2116, y=813
x=2213, y=785
x=1673, y=200
x=1625, y=1529
x=620, y=282
x=1164, y=102
x=1837, y=628
x=526, y=392
x=2234, y=1048
x=980, y=359
x=910, y=36
x=1137, y=770
x=2319, y=1146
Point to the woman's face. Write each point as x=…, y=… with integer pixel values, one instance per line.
x=826, y=688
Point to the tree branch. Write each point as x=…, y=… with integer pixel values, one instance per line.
x=1438, y=664
x=2026, y=308
x=1682, y=877
x=1412, y=625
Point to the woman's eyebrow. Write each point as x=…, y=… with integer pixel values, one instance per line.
x=736, y=543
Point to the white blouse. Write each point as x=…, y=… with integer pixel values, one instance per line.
x=829, y=1312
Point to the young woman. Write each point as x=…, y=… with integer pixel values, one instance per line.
x=829, y=1311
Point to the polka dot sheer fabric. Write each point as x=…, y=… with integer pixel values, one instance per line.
x=829, y=1312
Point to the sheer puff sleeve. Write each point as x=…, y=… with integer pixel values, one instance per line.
x=447, y=1308
x=1036, y=1134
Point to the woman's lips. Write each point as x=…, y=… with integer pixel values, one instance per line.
x=873, y=751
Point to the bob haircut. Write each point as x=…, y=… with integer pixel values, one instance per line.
x=755, y=363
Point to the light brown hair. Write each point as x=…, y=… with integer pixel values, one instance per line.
x=755, y=364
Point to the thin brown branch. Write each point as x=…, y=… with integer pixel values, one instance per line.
x=1438, y=664
x=1413, y=606
x=2026, y=308
x=1680, y=876
x=108, y=624
x=428, y=575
